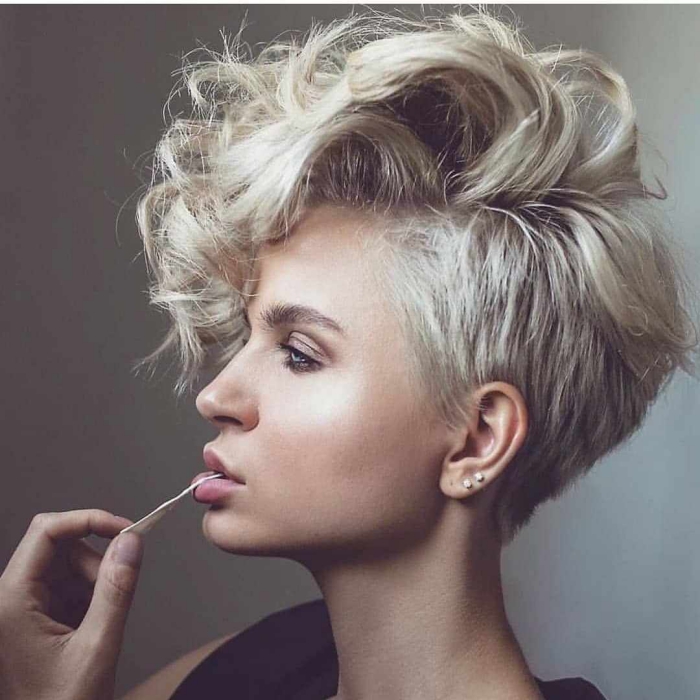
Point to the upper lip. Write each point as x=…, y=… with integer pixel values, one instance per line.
x=211, y=459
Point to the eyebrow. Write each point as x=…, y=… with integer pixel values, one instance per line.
x=285, y=314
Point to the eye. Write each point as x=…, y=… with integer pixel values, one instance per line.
x=306, y=364
x=303, y=364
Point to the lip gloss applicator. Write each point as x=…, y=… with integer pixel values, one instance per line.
x=147, y=522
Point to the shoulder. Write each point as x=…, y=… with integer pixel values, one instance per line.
x=290, y=636
x=162, y=684
x=569, y=689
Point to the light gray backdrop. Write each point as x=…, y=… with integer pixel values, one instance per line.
x=604, y=582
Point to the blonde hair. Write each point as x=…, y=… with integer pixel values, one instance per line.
x=521, y=244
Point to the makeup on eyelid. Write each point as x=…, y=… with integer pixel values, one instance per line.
x=281, y=315
x=307, y=362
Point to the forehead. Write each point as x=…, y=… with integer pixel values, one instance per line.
x=329, y=262
x=333, y=262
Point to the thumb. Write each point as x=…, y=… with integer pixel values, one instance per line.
x=116, y=581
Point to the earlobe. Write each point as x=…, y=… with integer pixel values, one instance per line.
x=496, y=431
x=479, y=478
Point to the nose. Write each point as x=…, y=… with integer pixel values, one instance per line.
x=228, y=399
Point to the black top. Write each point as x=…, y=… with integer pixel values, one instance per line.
x=291, y=655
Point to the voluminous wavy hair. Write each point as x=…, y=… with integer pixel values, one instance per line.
x=520, y=243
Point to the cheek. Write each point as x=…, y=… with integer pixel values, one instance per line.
x=351, y=445
x=311, y=413
x=317, y=430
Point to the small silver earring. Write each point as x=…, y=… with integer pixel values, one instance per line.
x=468, y=484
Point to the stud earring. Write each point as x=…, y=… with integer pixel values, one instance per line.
x=468, y=484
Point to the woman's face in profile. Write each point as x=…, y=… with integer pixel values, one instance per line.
x=337, y=450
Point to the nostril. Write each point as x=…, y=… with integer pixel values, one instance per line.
x=226, y=419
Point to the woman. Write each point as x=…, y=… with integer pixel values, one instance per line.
x=436, y=293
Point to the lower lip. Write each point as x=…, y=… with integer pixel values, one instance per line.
x=214, y=490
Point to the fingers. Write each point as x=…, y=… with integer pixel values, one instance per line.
x=37, y=548
x=116, y=582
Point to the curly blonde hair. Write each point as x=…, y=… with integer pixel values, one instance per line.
x=521, y=243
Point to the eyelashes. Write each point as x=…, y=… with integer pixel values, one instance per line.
x=302, y=364
x=305, y=365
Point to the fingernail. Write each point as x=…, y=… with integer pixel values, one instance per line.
x=128, y=549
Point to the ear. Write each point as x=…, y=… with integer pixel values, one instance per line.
x=488, y=442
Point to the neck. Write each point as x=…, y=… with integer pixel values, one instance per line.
x=429, y=622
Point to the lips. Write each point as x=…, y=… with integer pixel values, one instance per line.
x=213, y=462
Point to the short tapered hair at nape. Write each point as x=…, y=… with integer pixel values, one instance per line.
x=520, y=243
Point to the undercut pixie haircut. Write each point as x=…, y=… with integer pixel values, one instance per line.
x=518, y=241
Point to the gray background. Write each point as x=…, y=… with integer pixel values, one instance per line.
x=604, y=582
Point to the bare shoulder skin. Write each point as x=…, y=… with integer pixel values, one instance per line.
x=162, y=684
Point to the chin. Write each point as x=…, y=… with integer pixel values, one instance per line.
x=309, y=552
x=234, y=538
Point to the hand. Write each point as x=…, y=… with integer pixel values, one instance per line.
x=63, y=607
